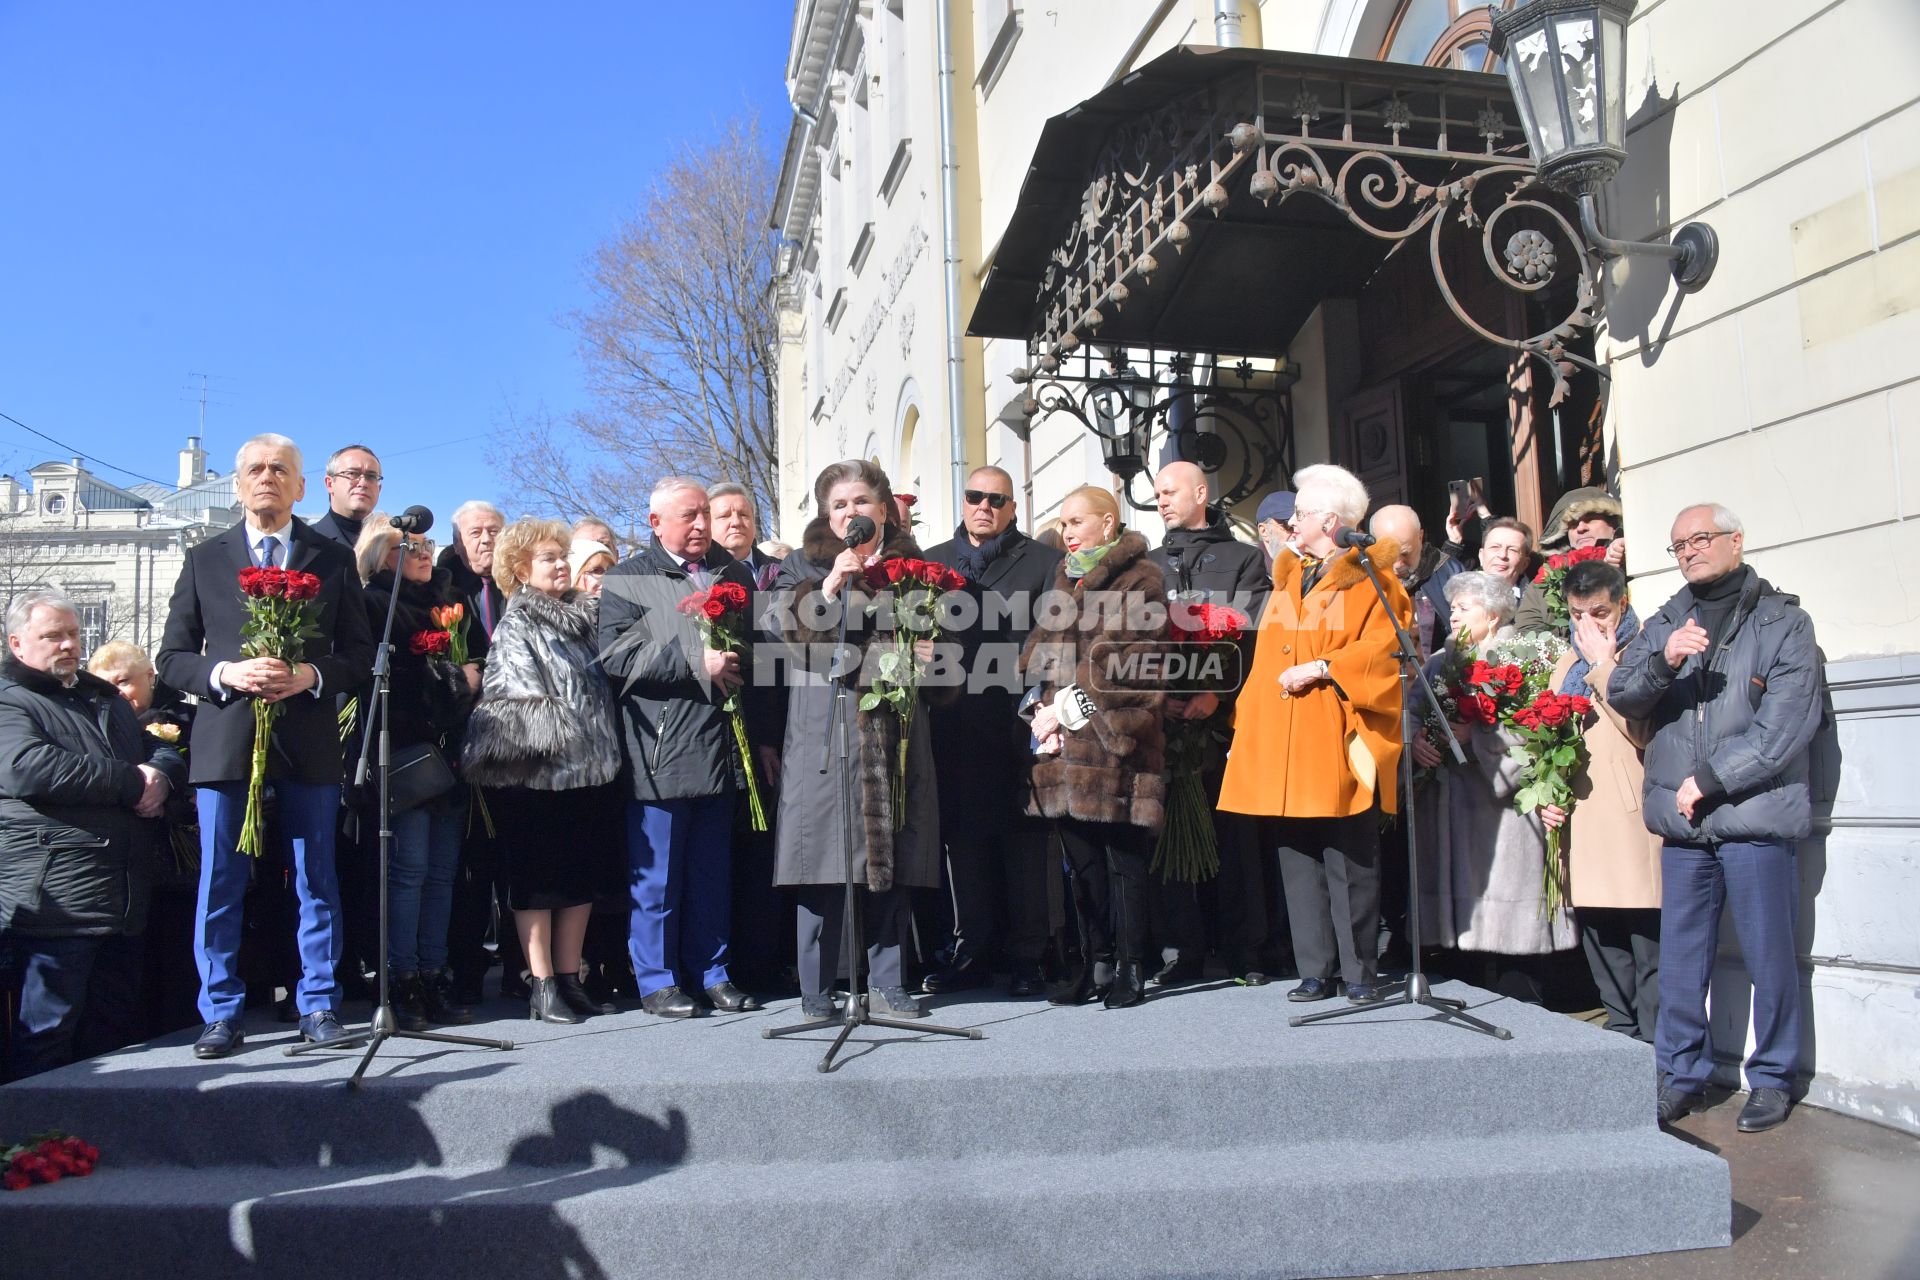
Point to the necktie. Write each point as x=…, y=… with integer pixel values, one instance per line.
x=269, y=551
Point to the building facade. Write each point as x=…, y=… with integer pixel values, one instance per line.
x=115, y=551
x=930, y=138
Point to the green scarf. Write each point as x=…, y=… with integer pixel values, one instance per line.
x=1080, y=563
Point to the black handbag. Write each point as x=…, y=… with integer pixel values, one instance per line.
x=420, y=774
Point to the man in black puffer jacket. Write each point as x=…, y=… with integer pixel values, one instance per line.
x=1203, y=563
x=81, y=791
x=1729, y=676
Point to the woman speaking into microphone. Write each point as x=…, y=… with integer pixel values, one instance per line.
x=854, y=533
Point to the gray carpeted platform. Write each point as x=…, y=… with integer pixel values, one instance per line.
x=1197, y=1135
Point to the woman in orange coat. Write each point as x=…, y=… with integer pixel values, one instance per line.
x=1316, y=737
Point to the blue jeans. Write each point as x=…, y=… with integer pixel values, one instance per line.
x=680, y=876
x=1759, y=884
x=308, y=817
x=420, y=871
x=57, y=983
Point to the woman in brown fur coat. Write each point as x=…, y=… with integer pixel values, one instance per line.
x=1098, y=741
x=811, y=845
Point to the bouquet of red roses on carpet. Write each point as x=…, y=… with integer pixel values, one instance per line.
x=281, y=618
x=1551, y=578
x=46, y=1157
x=1510, y=690
x=721, y=614
x=916, y=587
x=1187, y=850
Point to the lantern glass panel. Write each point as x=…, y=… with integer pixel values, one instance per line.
x=1579, y=56
x=1540, y=96
x=1614, y=72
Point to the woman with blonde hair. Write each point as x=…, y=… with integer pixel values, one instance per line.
x=1099, y=740
x=545, y=739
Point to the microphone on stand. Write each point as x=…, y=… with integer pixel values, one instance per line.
x=1354, y=538
x=860, y=531
x=412, y=520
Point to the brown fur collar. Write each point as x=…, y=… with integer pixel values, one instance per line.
x=1342, y=571
x=823, y=547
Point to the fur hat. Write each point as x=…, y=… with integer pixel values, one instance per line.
x=1574, y=506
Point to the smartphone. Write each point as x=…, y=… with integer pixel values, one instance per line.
x=1466, y=496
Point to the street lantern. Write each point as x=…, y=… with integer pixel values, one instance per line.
x=1566, y=64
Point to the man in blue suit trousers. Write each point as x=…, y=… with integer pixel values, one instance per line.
x=200, y=653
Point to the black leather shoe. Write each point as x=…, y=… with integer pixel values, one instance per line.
x=573, y=993
x=1765, y=1108
x=1311, y=989
x=322, y=1027
x=1127, y=989
x=219, y=1039
x=727, y=998
x=968, y=970
x=1675, y=1103
x=1075, y=990
x=670, y=1002
x=285, y=1011
x=1366, y=992
x=1177, y=972
x=515, y=986
x=1026, y=982
x=408, y=1000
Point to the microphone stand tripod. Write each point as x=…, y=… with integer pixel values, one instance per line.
x=852, y=926
x=383, y=1026
x=1415, y=990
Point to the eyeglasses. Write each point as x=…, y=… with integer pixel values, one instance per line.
x=354, y=475
x=975, y=497
x=422, y=547
x=1698, y=542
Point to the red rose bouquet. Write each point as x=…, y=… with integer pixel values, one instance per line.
x=281, y=618
x=47, y=1157
x=916, y=587
x=1552, y=750
x=721, y=614
x=1187, y=850
x=1551, y=578
x=430, y=644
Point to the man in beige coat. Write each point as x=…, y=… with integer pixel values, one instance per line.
x=1613, y=861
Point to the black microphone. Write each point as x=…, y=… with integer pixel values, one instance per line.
x=1354, y=538
x=860, y=531
x=413, y=520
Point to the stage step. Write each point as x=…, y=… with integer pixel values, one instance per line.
x=1198, y=1135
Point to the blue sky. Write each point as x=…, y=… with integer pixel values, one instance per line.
x=366, y=220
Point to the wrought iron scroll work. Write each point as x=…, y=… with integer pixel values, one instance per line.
x=1387, y=162
x=1234, y=419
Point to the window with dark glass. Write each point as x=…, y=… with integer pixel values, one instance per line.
x=1442, y=33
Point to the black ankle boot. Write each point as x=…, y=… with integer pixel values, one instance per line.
x=1102, y=978
x=408, y=1014
x=574, y=993
x=438, y=1003
x=1128, y=987
x=545, y=1005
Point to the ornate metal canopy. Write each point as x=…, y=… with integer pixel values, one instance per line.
x=1211, y=200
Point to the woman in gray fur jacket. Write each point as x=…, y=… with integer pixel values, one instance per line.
x=544, y=741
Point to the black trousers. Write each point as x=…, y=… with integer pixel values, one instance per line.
x=1623, y=951
x=999, y=883
x=1109, y=861
x=480, y=905
x=1239, y=894
x=1331, y=870
x=821, y=921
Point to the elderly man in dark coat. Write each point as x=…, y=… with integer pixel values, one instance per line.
x=1729, y=675
x=996, y=854
x=81, y=792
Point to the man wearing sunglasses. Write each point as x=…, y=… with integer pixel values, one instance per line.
x=353, y=491
x=996, y=855
x=1729, y=675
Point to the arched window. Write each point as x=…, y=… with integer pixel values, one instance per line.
x=56, y=503
x=1442, y=33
